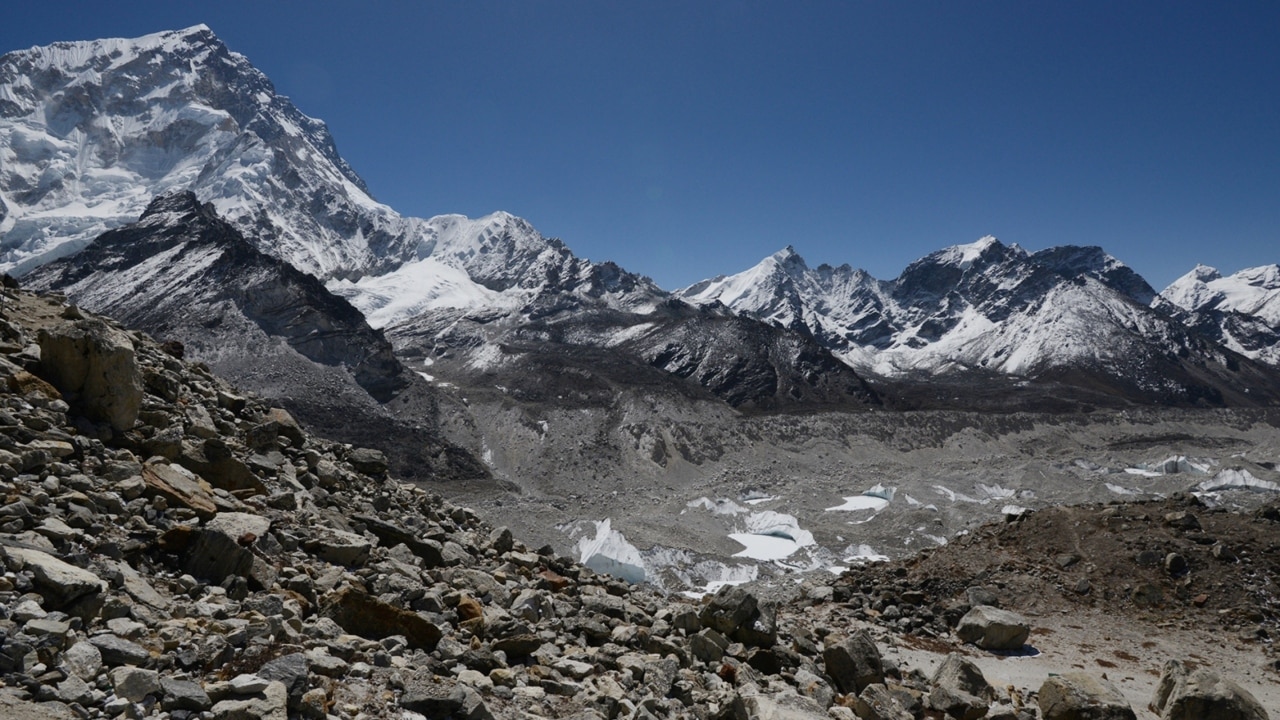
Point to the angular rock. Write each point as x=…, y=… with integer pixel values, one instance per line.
x=434, y=696
x=270, y=704
x=1202, y=694
x=853, y=662
x=180, y=488
x=134, y=683
x=991, y=628
x=360, y=614
x=139, y=589
x=220, y=549
x=875, y=702
x=84, y=660
x=118, y=651
x=339, y=547
x=1079, y=696
x=183, y=695
x=60, y=583
x=291, y=670
x=780, y=706
x=391, y=535
x=95, y=364
x=959, y=689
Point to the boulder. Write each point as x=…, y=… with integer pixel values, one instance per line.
x=1202, y=694
x=361, y=614
x=134, y=683
x=959, y=689
x=1080, y=696
x=94, y=364
x=781, y=706
x=736, y=613
x=221, y=548
x=991, y=628
x=287, y=426
x=180, y=488
x=729, y=609
x=339, y=547
x=368, y=461
x=875, y=702
x=853, y=662
x=58, y=582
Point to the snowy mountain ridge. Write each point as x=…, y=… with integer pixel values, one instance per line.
x=1241, y=310
x=90, y=132
x=979, y=305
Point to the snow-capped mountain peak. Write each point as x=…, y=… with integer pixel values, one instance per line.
x=964, y=256
x=91, y=131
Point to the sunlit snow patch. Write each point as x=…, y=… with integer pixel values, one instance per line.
x=863, y=554
x=610, y=553
x=1120, y=490
x=771, y=536
x=876, y=498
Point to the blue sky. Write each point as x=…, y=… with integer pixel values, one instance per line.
x=686, y=139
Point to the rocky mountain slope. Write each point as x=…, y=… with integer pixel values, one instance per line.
x=183, y=274
x=1240, y=311
x=173, y=548
x=1072, y=316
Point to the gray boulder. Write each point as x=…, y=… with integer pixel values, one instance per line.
x=877, y=703
x=94, y=365
x=220, y=549
x=1079, y=696
x=781, y=706
x=959, y=689
x=60, y=583
x=853, y=662
x=1202, y=695
x=991, y=628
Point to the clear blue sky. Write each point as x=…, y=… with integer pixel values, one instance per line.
x=685, y=139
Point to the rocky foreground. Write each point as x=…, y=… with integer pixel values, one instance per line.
x=176, y=549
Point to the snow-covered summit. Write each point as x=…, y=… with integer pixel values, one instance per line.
x=982, y=305
x=1241, y=310
x=964, y=256
x=91, y=131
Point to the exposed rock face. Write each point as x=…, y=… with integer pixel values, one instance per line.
x=1204, y=695
x=181, y=260
x=184, y=274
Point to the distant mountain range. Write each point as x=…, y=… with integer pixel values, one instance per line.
x=264, y=237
